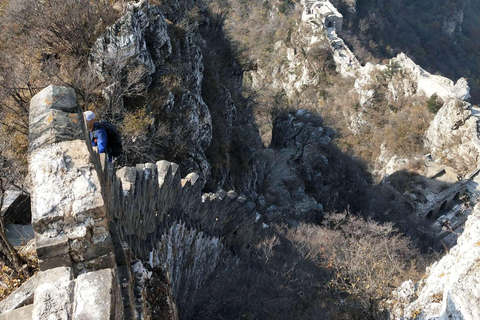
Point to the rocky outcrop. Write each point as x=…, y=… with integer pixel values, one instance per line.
x=88, y=218
x=413, y=80
x=131, y=56
x=138, y=39
x=300, y=63
x=305, y=176
x=451, y=289
x=453, y=137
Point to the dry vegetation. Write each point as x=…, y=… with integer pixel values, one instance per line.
x=342, y=269
x=362, y=131
x=339, y=270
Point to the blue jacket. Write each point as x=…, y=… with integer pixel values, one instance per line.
x=99, y=138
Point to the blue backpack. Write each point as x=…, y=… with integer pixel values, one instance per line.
x=114, y=141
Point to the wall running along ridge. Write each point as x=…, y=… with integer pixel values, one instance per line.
x=90, y=220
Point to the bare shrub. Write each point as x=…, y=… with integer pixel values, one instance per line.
x=59, y=26
x=365, y=260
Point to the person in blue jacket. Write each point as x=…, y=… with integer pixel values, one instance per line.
x=98, y=135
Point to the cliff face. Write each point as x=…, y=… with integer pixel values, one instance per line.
x=451, y=289
x=164, y=60
x=132, y=55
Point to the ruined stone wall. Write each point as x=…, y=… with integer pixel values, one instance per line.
x=91, y=221
x=78, y=278
x=168, y=222
x=144, y=201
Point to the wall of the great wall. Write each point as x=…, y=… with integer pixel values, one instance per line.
x=91, y=221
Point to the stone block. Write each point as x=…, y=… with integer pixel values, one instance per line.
x=54, y=117
x=126, y=287
x=54, y=295
x=100, y=249
x=64, y=185
x=102, y=262
x=97, y=296
x=20, y=297
x=24, y=313
x=52, y=252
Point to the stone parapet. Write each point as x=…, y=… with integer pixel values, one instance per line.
x=69, y=218
x=68, y=211
x=147, y=199
x=89, y=218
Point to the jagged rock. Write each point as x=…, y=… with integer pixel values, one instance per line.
x=293, y=74
x=193, y=132
x=299, y=130
x=138, y=38
x=300, y=182
x=452, y=136
x=452, y=288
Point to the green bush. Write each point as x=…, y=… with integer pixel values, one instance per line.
x=434, y=103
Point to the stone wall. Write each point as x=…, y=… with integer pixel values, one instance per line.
x=68, y=211
x=91, y=221
x=144, y=201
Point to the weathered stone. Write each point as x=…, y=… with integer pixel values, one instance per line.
x=54, y=117
x=54, y=295
x=24, y=313
x=97, y=296
x=52, y=252
x=100, y=249
x=64, y=184
x=452, y=288
x=102, y=262
x=20, y=297
x=452, y=135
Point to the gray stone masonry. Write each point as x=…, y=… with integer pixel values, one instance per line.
x=54, y=117
x=148, y=198
x=77, y=200
x=98, y=302
x=68, y=211
x=54, y=294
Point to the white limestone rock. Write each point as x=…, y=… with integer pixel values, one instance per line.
x=64, y=184
x=413, y=81
x=429, y=84
x=452, y=136
x=138, y=38
x=452, y=288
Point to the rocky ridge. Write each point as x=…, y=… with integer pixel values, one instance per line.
x=451, y=289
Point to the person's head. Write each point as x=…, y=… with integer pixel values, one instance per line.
x=90, y=119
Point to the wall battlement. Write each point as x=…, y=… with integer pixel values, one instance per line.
x=86, y=214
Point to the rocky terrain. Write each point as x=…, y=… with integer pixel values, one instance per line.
x=451, y=289
x=303, y=131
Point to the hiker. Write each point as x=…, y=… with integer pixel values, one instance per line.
x=98, y=135
x=104, y=135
